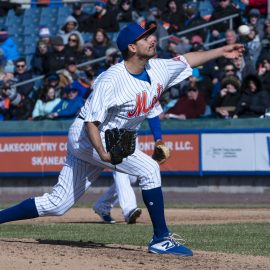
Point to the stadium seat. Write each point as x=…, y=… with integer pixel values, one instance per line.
x=30, y=49
x=31, y=30
x=64, y=11
x=87, y=37
x=89, y=9
x=31, y=39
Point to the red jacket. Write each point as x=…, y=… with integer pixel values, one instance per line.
x=261, y=5
x=190, y=108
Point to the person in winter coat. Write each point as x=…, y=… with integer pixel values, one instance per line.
x=8, y=48
x=225, y=103
x=74, y=48
x=69, y=106
x=102, y=18
x=70, y=27
x=191, y=105
x=224, y=9
x=254, y=99
x=42, y=51
x=57, y=59
x=45, y=104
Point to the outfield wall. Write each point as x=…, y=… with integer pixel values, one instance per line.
x=207, y=152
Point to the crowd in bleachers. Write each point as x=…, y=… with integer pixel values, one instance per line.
x=51, y=47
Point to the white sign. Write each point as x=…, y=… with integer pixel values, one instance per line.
x=262, y=142
x=228, y=152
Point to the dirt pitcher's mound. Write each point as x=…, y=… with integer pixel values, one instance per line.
x=27, y=254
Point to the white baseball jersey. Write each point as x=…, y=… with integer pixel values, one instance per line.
x=118, y=100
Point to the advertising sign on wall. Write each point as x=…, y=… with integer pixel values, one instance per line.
x=262, y=155
x=41, y=154
x=228, y=152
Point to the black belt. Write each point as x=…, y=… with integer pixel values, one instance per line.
x=80, y=117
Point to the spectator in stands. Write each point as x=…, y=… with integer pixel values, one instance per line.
x=254, y=99
x=265, y=43
x=6, y=81
x=8, y=73
x=141, y=6
x=88, y=52
x=230, y=38
x=196, y=42
x=45, y=104
x=45, y=36
x=173, y=16
x=38, y=59
x=8, y=48
x=80, y=16
x=154, y=18
x=55, y=81
x=101, y=42
x=193, y=19
x=74, y=48
x=70, y=27
x=190, y=105
x=266, y=29
x=253, y=19
x=22, y=73
x=224, y=9
x=126, y=13
x=56, y=60
x=5, y=6
x=69, y=106
x=244, y=66
x=112, y=7
x=76, y=77
x=264, y=73
x=4, y=105
x=259, y=4
x=225, y=103
x=102, y=18
x=228, y=69
x=112, y=58
x=253, y=45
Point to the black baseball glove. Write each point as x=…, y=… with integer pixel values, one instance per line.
x=120, y=143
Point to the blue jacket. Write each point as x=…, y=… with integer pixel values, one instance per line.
x=10, y=49
x=69, y=108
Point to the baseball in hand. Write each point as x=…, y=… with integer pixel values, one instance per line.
x=243, y=30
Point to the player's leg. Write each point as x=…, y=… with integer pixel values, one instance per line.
x=72, y=183
x=148, y=172
x=105, y=203
x=126, y=196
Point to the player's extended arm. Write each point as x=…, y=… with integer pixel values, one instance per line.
x=94, y=137
x=229, y=51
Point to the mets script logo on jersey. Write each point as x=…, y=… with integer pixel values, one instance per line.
x=141, y=103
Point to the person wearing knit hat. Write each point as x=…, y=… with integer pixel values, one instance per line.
x=9, y=67
x=44, y=32
x=225, y=103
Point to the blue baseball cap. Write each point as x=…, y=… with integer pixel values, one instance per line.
x=131, y=33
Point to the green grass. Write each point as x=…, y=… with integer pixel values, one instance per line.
x=246, y=239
